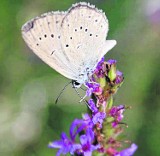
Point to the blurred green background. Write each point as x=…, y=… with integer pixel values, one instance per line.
x=29, y=119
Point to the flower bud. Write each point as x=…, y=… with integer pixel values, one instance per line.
x=112, y=71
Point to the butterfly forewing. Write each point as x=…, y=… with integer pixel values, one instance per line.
x=43, y=36
x=84, y=33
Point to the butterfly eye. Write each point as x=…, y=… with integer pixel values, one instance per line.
x=76, y=84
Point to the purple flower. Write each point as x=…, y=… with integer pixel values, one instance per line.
x=93, y=88
x=92, y=106
x=128, y=151
x=117, y=113
x=113, y=111
x=111, y=61
x=98, y=118
x=111, y=151
x=114, y=124
x=85, y=147
x=99, y=71
x=87, y=134
x=101, y=61
x=77, y=126
x=119, y=77
x=86, y=118
x=64, y=145
x=99, y=65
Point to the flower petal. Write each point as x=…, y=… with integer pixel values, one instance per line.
x=83, y=139
x=74, y=148
x=55, y=144
x=88, y=153
x=129, y=151
x=92, y=106
x=76, y=126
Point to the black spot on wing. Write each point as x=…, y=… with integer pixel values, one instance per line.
x=52, y=52
x=78, y=46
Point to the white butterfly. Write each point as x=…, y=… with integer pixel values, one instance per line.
x=71, y=42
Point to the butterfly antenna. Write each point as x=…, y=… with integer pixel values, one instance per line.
x=62, y=92
x=82, y=98
x=83, y=89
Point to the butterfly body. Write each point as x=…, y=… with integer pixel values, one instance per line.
x=71, y=42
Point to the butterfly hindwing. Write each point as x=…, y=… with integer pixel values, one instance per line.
x=43, y=36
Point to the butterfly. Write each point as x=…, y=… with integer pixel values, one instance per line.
x=71, y=42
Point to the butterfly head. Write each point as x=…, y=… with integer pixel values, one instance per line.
x=82, y=78
x=76, y=84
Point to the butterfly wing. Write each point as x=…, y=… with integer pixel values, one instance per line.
x=43, y=36
x=70, y=42
x=84, y=30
